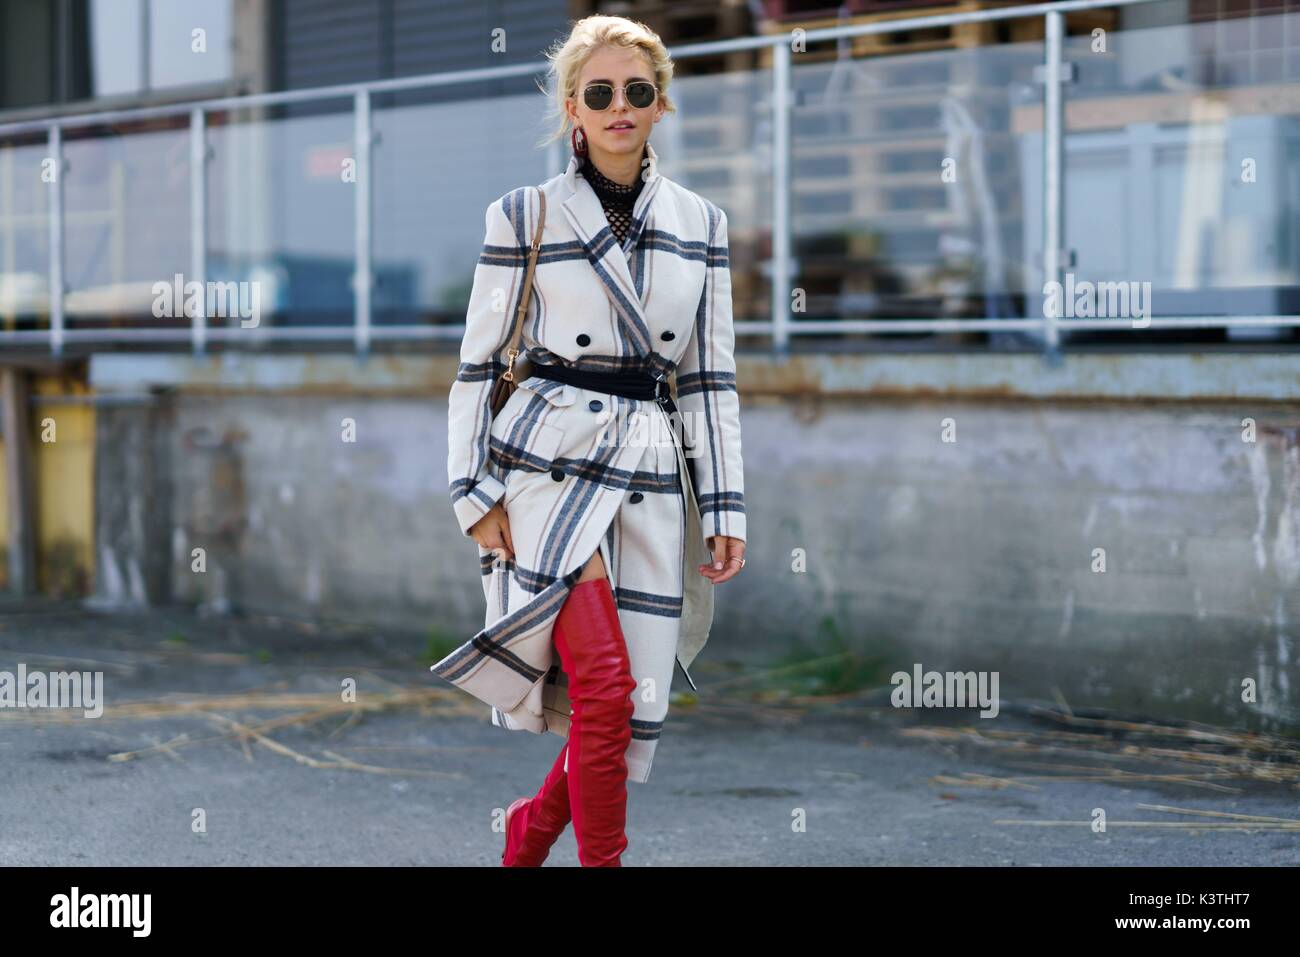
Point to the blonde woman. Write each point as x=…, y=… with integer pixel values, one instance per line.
x=604, y=512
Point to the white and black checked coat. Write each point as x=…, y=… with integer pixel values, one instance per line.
x=577, y=469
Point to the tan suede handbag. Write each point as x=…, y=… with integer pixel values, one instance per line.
x=505, y=386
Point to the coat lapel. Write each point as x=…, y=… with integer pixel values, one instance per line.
x=611, y=261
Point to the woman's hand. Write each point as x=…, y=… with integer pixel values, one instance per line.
x=728, y=553
x=492, y=531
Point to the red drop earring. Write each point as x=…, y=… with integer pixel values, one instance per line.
x=579, y=140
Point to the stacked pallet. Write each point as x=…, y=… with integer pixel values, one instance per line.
x=1077, y=23
x=959, y=36
x=874, y=120
x=782, y=19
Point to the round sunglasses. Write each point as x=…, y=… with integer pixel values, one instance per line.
x=639, y=93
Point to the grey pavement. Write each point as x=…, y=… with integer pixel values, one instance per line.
x=731, y=779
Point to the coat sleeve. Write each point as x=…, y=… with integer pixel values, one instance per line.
x=498, y=278
x=706, y=394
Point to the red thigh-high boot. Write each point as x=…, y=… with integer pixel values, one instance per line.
x=594, y=653
x=534, y=824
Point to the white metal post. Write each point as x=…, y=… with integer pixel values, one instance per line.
x=56, y=239
x=781, y=279
x=199, y=226
x=362, y=278
x=1053, y=199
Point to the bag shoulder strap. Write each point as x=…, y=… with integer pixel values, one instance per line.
x=522, y=311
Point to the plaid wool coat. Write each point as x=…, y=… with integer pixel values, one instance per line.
x=578, y=470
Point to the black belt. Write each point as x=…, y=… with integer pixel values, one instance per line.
x=629, y=385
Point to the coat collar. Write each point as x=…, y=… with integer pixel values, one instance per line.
x=611, y=261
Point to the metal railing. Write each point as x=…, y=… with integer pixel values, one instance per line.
x=1052, y=74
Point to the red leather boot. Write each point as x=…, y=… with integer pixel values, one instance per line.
x=534, y=824
x=593, y=650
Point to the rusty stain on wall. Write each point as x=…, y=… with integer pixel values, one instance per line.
x=62, y=440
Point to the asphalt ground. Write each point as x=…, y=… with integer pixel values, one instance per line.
x=738, y=780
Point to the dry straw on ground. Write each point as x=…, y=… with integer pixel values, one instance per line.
x=304, y=709
x=1132, y=752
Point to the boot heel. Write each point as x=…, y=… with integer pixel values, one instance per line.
x=545, y=816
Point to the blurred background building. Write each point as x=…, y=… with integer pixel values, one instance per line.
x=901, y=180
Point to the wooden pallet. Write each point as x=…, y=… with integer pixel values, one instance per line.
x=1177, y=108
x=864, y=179
x=1079, y=22
x=786, y=10
x=952, y=37
x=967, y=36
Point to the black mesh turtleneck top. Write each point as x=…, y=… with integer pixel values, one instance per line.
x=616, y=199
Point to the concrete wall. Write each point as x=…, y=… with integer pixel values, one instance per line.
x=979, y=552
x=134, y=483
